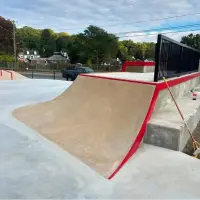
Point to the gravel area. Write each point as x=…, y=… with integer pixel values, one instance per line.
x=189, y=148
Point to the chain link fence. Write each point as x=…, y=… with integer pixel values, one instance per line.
x=52, y=70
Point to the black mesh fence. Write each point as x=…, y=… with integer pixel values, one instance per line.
x=174, y=58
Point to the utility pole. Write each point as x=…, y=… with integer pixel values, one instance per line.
x=14, y=44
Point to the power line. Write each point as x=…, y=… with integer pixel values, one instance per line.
x=152, y=20
x=158, y=33
x=156, y=19
x=156, y=29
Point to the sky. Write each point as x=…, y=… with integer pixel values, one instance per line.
x=115, y=16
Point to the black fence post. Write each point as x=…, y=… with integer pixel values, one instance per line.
x=157, y=57
x=54, y=75
x=181, y=59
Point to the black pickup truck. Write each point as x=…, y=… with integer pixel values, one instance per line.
x=71, y=73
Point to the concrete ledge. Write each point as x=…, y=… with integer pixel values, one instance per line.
x=166, y=128
x=179, y=91
x=140, y=69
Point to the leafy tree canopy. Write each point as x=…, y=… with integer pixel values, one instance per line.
x=192, y=40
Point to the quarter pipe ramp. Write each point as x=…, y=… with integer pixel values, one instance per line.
x=95, y=119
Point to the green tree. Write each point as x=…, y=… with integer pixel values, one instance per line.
x=6, y=36
x=96, y=44
x=192, y=40
x=62, y=43
x=150, y=51
x=29, y=37
x=48, y=42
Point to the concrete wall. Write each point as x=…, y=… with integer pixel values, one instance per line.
x=178, y=91
x=166, y=128
x=140, y=69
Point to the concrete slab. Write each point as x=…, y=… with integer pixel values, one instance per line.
x=33, y=167
x=140, y=69
x=158, y=173
x=128, y=75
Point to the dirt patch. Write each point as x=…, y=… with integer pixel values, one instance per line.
x=189, y=148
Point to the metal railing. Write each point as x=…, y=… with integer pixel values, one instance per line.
x=174, y=58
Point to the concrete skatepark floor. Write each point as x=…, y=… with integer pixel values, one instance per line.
x=33, y=167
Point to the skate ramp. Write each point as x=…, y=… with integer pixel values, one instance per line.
x=10, y=75
x=95, y=119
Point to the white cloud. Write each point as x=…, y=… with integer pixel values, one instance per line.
x=74, y=15
x=152, y=36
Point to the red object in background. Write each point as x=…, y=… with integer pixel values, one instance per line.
x=195, y=94
x=136, y=64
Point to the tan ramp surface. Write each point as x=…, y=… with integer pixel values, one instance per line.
x=7, y=75
x=96, y=120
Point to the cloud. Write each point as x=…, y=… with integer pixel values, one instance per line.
x=152, y=36
x=75, y=15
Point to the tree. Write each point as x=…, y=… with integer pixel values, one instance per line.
x=48, y=42
x=94, y=45
x=6, y=36
x=98, y=44
x=131, y=50
x=192, y=40
x=150, y=51
x=62, y=43
x=29, y=37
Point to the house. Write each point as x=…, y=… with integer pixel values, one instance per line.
x=27, y=55
x=58, y=57
x=38, y=61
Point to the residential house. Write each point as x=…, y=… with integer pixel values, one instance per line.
x=27, y=55
x=59, y=57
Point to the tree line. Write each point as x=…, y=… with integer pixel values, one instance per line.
x=93, y=45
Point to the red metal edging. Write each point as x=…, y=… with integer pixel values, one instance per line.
x=176, y=81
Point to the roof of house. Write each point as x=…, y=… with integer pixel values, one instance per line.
x=37, y=59
x=57, y=57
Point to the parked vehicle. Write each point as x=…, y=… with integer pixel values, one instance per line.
x=71, y=73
